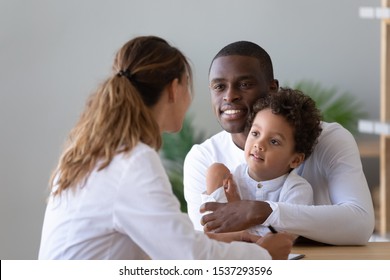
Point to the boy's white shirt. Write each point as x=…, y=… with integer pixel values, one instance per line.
x=289, y=188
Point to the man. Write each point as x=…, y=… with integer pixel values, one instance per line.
x=343, y=213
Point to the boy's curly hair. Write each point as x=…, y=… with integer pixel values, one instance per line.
x=301, y=113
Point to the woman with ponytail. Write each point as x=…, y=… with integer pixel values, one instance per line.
x=110, y=196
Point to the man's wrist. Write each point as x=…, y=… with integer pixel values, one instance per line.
x=259, y=212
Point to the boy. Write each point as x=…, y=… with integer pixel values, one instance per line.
x=283, y=129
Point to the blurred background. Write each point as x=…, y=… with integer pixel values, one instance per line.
x=54, y=53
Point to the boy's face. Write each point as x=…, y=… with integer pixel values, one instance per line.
x=235, y=82
x=269, y=148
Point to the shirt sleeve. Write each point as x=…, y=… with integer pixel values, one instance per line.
x=148, y=212
x=217, y=195
x=195, y=167
x=349, y=220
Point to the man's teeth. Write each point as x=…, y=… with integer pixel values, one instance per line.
x=231, y=112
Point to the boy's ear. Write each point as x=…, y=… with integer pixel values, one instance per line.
x=172, y=90
x=297, y=160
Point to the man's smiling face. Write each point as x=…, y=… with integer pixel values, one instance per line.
x=235, y=82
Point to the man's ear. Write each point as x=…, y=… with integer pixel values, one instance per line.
x=274, y=86
x=172, y=90
x=297, y=160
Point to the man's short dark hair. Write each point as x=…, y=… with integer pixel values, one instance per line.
x=246, y=48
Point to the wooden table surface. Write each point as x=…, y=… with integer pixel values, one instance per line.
x=371, y=251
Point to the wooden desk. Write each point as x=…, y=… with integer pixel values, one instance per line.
x=369, y=146
x=372, y=251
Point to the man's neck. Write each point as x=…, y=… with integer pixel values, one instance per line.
x=239, y=139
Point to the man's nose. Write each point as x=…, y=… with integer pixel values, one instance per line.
x=231, y=95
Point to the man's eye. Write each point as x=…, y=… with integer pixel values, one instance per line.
x=245, y=85
x=217, y=87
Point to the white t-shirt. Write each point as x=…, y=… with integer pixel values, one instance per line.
x=343, y=211
x=128, y=211
x=289, y=188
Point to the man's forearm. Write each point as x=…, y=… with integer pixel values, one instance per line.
x=234, y=216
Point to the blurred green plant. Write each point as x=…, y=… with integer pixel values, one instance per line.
x=341, y=107
x=173, y=152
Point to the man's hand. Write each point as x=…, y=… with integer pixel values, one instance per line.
x=234, y=216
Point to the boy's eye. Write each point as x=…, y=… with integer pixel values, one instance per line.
x=274, y=142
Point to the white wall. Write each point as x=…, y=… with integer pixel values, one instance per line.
x=53, y=53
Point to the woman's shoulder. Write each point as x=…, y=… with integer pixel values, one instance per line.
x=137, y=153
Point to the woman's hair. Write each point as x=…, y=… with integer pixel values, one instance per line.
x=117, y=115
x=299, y=110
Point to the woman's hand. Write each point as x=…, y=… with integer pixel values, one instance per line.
x=278, y=245
x=234, y=236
